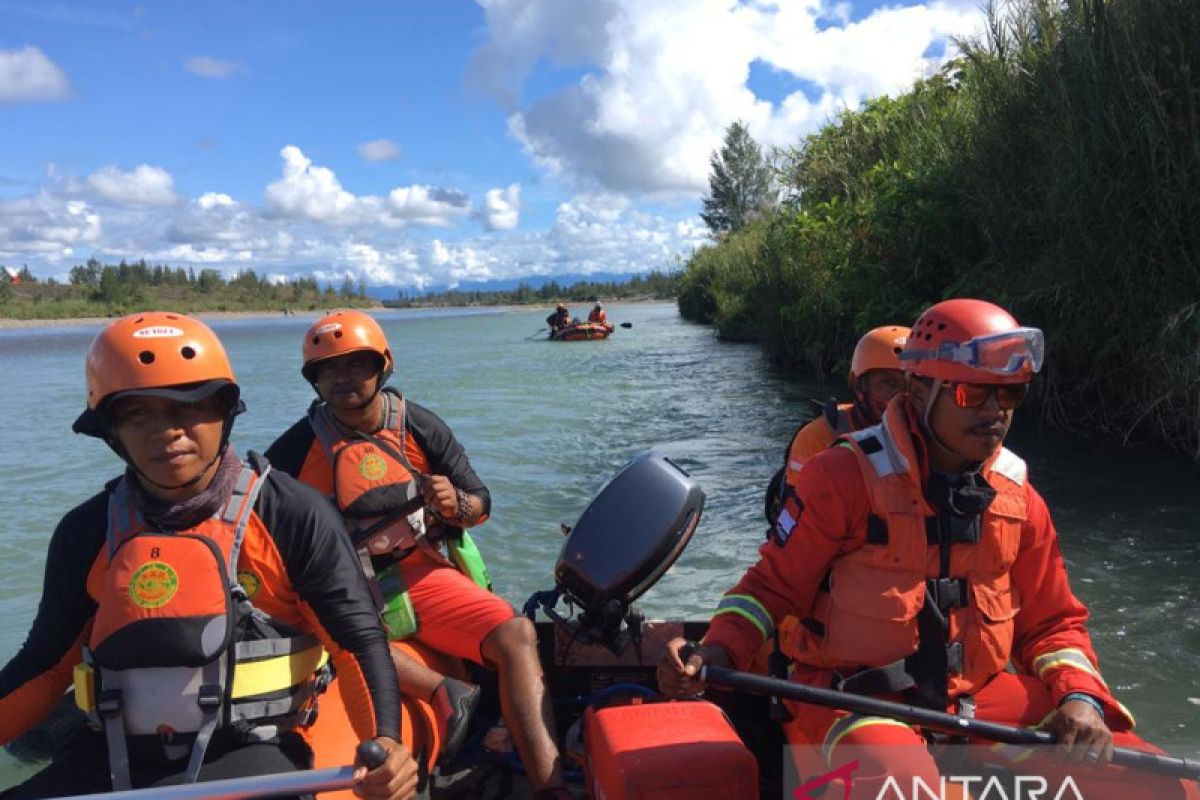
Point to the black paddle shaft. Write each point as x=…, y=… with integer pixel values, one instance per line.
x=934, y=720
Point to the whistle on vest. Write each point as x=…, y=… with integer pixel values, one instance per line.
x=399, y=616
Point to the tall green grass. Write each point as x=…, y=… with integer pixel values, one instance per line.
x=1053, y=168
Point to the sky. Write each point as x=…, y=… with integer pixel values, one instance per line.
x=415, y=143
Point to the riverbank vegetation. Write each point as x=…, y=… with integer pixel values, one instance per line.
x=107, y=290
x=652, y=286
x=1054, y=168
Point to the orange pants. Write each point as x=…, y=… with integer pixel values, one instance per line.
x=891, y=754
x=454, y=614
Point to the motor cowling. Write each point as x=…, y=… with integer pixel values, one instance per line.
x=629, y=535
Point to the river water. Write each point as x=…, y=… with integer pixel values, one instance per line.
x=545, y=423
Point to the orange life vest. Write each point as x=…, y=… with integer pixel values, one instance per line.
x=176, y=648
x=810, y=438
x=867, y=617
x=374, y=485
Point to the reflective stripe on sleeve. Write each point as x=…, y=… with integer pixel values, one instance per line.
x=1068, y=657
x=747, y=606
x=847, y=725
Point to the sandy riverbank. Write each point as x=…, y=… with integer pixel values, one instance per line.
x=7, y=323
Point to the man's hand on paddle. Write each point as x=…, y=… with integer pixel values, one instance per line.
x=1082, y=734
x=677, y=679
x=394, y=779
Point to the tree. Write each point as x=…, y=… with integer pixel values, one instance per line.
x=210, y=280
x=739, y=184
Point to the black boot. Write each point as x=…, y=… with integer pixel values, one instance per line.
x=454, y=702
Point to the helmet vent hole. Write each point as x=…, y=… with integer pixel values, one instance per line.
x=187, y=353
x=139, y=320
x=941, y=326
x=316, y=340
x=337, y=334
x=146, y=357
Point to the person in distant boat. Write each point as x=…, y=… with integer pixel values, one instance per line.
x=559, y=319
x=381, y=458
x=163, y=590
x=598, y=314
x=922, y=565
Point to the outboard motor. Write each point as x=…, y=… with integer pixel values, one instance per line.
x=628, y=536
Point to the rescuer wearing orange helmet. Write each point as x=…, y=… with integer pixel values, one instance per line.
x=922, y=565
x=875, y=377
x=380, y=458
x=598, y=314
x=190, y=565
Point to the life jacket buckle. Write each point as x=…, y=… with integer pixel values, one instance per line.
x=949, y=593
x=954, y=658
x=109, y=703
x=209, y=697
x=321, y=680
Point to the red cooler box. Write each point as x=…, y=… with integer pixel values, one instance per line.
x=666, y=751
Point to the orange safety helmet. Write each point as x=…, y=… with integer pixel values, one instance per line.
x=154, y=353
x=972, y=341
x=879, y=348
x=344, y=332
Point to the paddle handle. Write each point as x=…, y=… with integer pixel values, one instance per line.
x=284, y=783
x=928, y=718
x=256, y=786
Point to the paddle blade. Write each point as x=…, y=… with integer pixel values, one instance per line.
x=626, y=324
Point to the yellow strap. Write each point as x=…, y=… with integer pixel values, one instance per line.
x=269, y=675
x=85, y=687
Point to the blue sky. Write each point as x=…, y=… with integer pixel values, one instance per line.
x=416, y=143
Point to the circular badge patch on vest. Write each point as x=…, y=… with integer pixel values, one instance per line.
x=250, y=583
x=153, y=584
x=372, y=467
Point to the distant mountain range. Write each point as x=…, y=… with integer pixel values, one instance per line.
x=506, y=284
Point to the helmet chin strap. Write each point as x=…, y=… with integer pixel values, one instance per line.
x=927, y=411
x=381, y=378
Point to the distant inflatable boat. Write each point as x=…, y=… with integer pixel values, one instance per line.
x=583, y=330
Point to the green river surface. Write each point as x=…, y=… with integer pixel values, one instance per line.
x=546, y=423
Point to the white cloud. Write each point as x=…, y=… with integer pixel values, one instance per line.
x=209, y=67
x=214, y=218
x=214, y=200
x=367, y=262
x=29, y=76
x=142, y=186
x=456, y=263
x=308, y=192
x=45, y=225
x=428, y=205
x=502, y=208
x=379, y=150
x=664, y=79
x=305, y=191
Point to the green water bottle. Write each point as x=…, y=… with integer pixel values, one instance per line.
x=468, y=559
x=399, y=617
